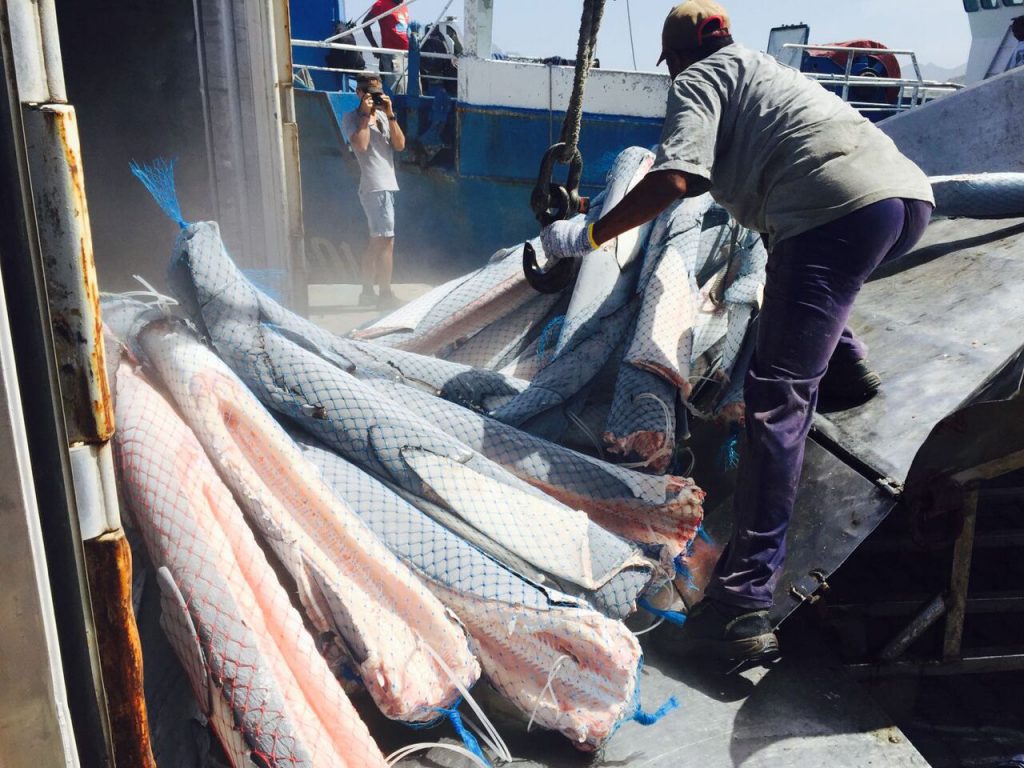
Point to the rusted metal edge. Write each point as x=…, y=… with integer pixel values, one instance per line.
x=65, y=237
x=109, y=561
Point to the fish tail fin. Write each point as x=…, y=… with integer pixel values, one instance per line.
x=158, y=178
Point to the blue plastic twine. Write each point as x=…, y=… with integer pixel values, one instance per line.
x=468, y=739
x=552, y=329
x=672, y=617
x=650, y=718
x=350, y=674
x=158, y=178
x=683, y=572
x=728, y=454
x=704, y=535
x=452, y=713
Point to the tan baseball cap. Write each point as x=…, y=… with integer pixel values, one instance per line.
x=686, y=24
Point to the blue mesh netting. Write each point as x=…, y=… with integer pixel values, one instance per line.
x=158, y=177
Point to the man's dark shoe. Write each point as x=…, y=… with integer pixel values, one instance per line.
x=388, y=300
x=368, y=297
x=847, y=383
x=729, y=637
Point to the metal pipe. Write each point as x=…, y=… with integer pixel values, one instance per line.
x=932, y=612
x=412, y=99
x=50, y=38
x=889, y=82
x=963, y=552
x=1010, y=662
x=993, y=602
x=844, y=49
x=358, y=72
x=368, y=49
x=426, y=29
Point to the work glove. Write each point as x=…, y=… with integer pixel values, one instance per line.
x=572, y=239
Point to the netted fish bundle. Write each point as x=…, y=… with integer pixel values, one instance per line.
x=253, y=667
x=369, y=611
x=421, y=552
x=561, y=663
x=656, y=317
x=288, y=366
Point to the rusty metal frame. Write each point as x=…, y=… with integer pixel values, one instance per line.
x=53, y=262
x=963, y=552
x=954, y=604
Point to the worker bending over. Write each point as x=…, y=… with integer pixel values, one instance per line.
x=833, y=198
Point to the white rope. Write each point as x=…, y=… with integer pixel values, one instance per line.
x=654, y=626
x=499, y=746
x=665, y=450
x=397, y=756
x=664, y=407
x=661, y=619
x=658, y=454
x=157, y=299
x=581, y=425
x=479, y=732
x=693, y=463
x=547, y=689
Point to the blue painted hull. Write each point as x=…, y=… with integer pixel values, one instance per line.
x=453, y=214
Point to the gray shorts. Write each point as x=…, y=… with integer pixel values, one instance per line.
x=380, y=212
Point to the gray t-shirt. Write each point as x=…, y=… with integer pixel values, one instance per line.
x=783, y=155
x=377, y=163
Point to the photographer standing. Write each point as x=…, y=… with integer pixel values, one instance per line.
x=373, y=131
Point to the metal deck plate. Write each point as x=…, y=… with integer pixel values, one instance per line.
x=805, y=711
x=836, y=509
x=937, y=323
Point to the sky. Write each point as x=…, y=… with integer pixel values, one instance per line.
x=936, y=29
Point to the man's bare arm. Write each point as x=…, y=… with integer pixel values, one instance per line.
x=360, y=137
x=368, y=31
x=655, y=192
x=397, y=136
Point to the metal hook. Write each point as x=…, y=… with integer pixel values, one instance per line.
x=550, y=203
x=554, y=280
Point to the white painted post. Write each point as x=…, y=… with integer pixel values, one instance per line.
x=479, y=22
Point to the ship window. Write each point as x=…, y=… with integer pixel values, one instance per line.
x=1012, y=3
x=989, y=5
x=970, y=5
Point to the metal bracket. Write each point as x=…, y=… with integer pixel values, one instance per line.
x=814, y=596
x=891, y=485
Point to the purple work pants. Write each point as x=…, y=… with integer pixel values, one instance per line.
x=812, y=281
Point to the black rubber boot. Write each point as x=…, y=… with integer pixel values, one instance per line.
x=731, y=638
x=847, y=383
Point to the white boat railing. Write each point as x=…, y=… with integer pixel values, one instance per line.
x=911, y=91
x=398, y=53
